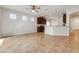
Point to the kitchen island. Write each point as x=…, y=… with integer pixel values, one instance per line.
x=57, y=30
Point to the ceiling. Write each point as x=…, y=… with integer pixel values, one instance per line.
x=46, y=10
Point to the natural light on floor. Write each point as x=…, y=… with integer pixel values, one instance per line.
x=1, y=41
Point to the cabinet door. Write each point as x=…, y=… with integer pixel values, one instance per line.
x=41, y=20
x=40, y=29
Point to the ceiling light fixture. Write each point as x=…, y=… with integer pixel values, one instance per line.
x=33, y=11
x=34, y=8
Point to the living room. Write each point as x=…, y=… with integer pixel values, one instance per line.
x=39, y=28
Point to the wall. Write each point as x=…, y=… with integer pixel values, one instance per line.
x=55, y=20
x=13, y=27
x=0, y=22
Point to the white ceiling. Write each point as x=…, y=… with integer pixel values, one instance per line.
x=44, y=9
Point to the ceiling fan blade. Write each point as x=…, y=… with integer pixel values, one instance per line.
x=36, y=10
x=33, y=7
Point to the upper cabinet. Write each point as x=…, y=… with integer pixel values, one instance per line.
x=41, y=20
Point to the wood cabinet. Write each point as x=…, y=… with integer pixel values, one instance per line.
x=41, y=21
x=40, y=29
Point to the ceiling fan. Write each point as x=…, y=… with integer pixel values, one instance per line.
x=34, y=8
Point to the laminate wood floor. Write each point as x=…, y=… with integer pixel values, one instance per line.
x=40, y=43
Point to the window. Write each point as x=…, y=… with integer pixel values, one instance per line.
x=24, y=18
x=12, y=16
x=32, y=19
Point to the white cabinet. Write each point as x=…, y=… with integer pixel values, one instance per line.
x=57, y=30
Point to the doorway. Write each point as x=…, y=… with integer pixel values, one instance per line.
x=74, y=22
